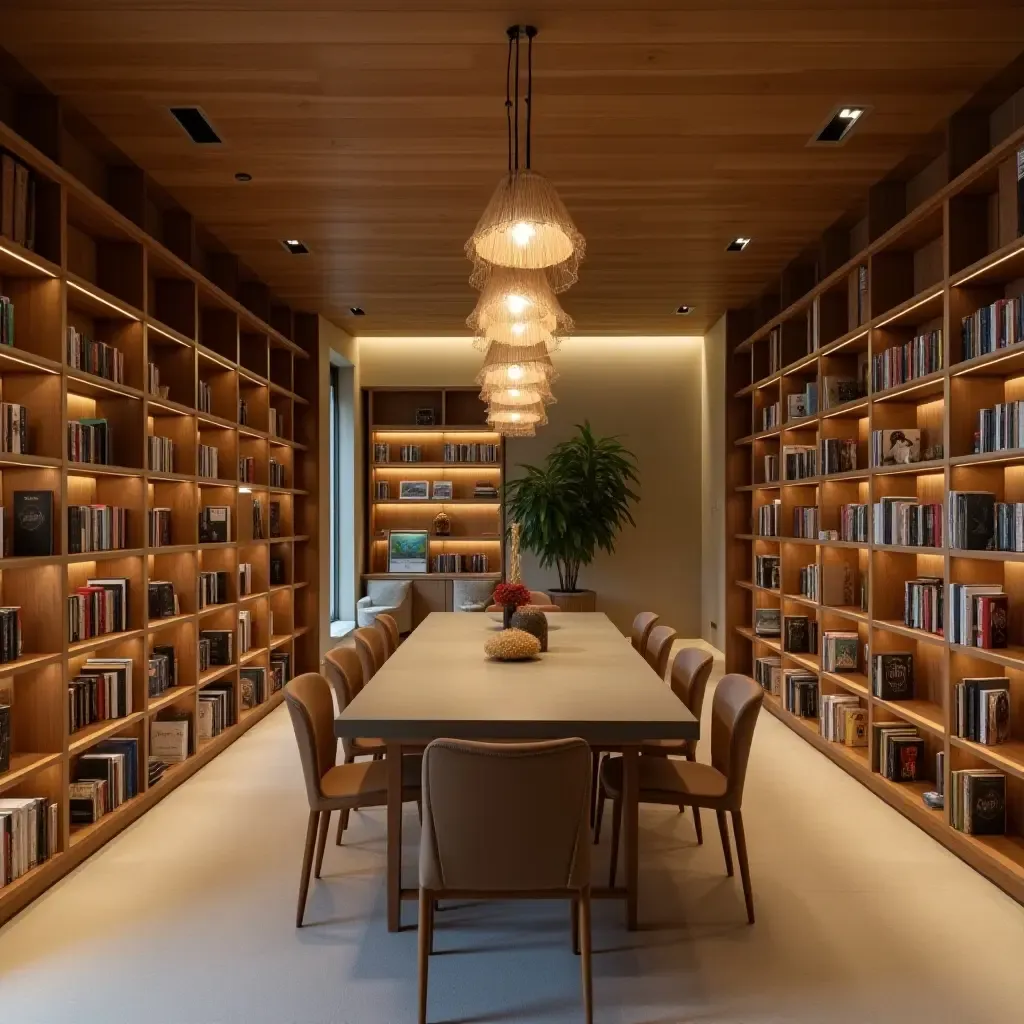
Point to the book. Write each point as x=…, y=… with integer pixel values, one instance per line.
x=169, y=739
x=252, y=687
x=215, y=524
x=856, y=727
x=222, y=645
x=893, y=676
x=767, y=622
x=163, y=602
x=33, y=524
x=5, y=738
x=978, y=802
x=972, y=520
x=840, y=651
x=895, y=447
x=800, y=636
x=275, y=519
x=1020, y=192
x=277, y=575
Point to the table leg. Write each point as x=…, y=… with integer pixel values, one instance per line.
x=394, y=842
x=631, y=829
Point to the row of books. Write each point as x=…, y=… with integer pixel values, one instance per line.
x=244, y=579
x=216, y=647
x=922, y=604
x=768, y=673
x=895, y=447
x=213, y=588
x=215, y=524
x=470, y=452
x=153, y=385
x=770, y=416
x=29, y=831
x=252, y=686
x=978, y=615
x=6, y=321
x=247, y=469
x=454, y=563
x=804, y=403
x=204, y=397
x=853, y=523
x=977, y=804
x=831, y=583
x=245, y=630
x=162, y=669
x=800, y=634
x=799, y=461
x=838, y=390
x=839, y=650
x=805, y=521
x=13, y=428
x=901, y=363
x=276, y=474
x=83, y=353
x=1000, y=428
x=771, y=469
x=101, y=690
x=977, y=522
x=216, y=710
x=406, y=452
x=898, y=752
x=105, y=778
x=768, y=519
x=841, y=719
x=100, y=607
x=993, y=327
x=838, y=455
x=800, y=692
x=767, y=571
x=91, y=441
x=10, y=634
x=161, y=454
x=97, y=528
x=206, y=461
x=810, y=582
x=907, y=522
x=163, y=601
x=159, y=527
x=981, y=709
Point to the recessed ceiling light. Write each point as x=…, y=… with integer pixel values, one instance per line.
x=738, y=244
x=243, y=176
x=683, y=310
x=839, y=125
x=196, y=125
x=295, y=247
x=357, y=310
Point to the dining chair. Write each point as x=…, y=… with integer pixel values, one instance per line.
x=717, y=786
x=659, y=647
x=642, y=626
x=691, y=669
x=389, y=627
x=538, y=597
x=329, y=786
x=369, y=643
x=505, y=821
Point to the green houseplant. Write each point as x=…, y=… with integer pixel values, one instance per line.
x=575, y=503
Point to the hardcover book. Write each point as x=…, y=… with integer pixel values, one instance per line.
x=798, y=637
x=856, y=727
x=894, y=676
x=5, y=738
x=33, y=523
x=986, y=805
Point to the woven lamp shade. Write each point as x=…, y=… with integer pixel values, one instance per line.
x=518, y=307
x=515, y=429
x=520, y=397
x=507, y=366
x=498, y=414
x=526, y=225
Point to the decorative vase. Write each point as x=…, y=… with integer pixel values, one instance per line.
x=534, y=621
x=442, y=524
x=508, y=610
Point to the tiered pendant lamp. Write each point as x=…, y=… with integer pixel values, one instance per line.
x=525, y=249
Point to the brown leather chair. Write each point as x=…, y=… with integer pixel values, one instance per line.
x=505, y=821
x=659, y=647
x=691, y=669
x=329, y=786
x=642, y=626
x=389, y=627
x=717, y=786
x=372, y=652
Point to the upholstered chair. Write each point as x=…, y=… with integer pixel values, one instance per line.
x=392, y=638
x=372, y=650
x=659, y=647
x=391, y=596
x=472, y=595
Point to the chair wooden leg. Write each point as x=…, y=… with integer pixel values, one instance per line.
x=588, y=987
x=574, y=914
x=601, y=798
x=741, y=853
x=723, y=829
x=696, y=825
x=435, y=906
x=419, y=808
x=616, y=829
x=321, y=841
x=425, y=929
x=307, y=864
x=342, y=825
x=595, y=793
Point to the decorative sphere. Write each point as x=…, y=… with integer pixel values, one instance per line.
x=512, y=645
x=442, y=524
x=532, y=620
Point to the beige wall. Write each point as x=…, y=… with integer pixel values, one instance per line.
x=646, y=389
x=712, y=626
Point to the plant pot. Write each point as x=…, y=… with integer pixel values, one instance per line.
x=574, y=600
x=508, y=610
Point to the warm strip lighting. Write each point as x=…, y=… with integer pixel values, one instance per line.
x=903, y=312
x=33, y=265
x=170, y=337
x=103, y=387
x=991, y=362
x=106, y=302
x=884, y=397
x=245, y=490
x=849, y=341
x=845, y=410
x=999, y=459
x=24, y=362
x=34, y=465
x=988, y=266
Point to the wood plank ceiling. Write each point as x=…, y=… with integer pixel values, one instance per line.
x=374, y=131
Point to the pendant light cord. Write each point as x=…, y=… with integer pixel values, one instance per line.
x=517, y=99
x=508, y=101
x=529, y=90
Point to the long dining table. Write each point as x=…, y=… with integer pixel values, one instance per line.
x=590, y=683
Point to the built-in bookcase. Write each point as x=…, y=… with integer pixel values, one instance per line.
x=95, y=271
x=955, y=254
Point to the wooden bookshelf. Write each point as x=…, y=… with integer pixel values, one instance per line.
x=953, y=254
x=459, y=417
x=98, y=271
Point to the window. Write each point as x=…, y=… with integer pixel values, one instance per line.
x=334, y=429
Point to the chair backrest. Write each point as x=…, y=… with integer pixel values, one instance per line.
x=545, y=607
x=734, y=711
x=369, y=643
x=344, y=673
x=539, y=597
x=505, y=817
x=312, y=712
x=389, y=628
x=691, y=670
x=642, y=626
x=659, y=647
x=471, y=595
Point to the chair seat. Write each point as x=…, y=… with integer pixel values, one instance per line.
x=365, y=782
x=664, y=748
x=368, y=746
x=666, y=781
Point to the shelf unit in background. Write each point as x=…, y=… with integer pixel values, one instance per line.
x=95, y=270
x=477, y=524
x=955, y=253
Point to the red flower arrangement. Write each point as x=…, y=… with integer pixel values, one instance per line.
x=514, y=594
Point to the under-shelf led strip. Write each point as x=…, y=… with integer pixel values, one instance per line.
x=909, y=309
x=106, y=302
x=35, y=266
x=988, y=266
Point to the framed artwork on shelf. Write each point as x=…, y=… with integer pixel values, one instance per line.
x=424, y=417
x=407, y=550
x=442, y=490
x=414, y=490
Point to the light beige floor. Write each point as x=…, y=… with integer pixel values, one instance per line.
x=187, y=918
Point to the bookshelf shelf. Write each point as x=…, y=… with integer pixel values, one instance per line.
x=172, y=329
x=930, y=272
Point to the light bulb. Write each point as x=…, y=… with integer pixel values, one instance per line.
x=516, y=303
x=515, y=372
x=514, y=392
x=522, y=233
x=514, y=417
x=519, y=328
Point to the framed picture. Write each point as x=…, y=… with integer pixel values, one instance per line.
x=414, y=490
x=424, y=417
x=442, y=489
x=407, y=550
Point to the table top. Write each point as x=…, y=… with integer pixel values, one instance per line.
x=590, y=683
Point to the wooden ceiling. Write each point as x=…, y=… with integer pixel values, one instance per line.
x=374, y=131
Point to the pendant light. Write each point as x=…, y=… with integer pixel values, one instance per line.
x=515, y=429
x=533, y=413
x=518, y=307
x=521, y=369
x=525, y=225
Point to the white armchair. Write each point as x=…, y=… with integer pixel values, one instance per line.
x=472, y=595
x=393, y=597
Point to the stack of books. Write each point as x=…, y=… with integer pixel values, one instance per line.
x=901, y=363
x=247, y=469
x=221, y=645
x=280, y=669
x=159, y=527
x=213, y=588
x=170, y=737
x=207, y=461
x=90, y=441
x=161, y=454
x=839, y=650
x=799, y=461
x=981, y=709
x=1000, y=428
x=100, y=607
x=841, y=719
x=895, y=447
x=100, y=691
x=805, y=521
x=485, y=489
x=277, y=475
x=978, y=615
x=771, y=469
x=770, y=416
x=13, y=428
x=105, y=778
x=162, y=669
x=768, y=672
x=768, y=518
x=215, y=524
x=253, y=686
x=216, y=710
x=97, y=528
x=853, y=523
x=800, y=634
x=904, y=521
x=244, y=579
x=898, y=752
x=28, y=835
x=993, y=327
x=838, y=454
x=381, y=451
x=767, y=622
x=94, y=357
x=454, y=452
x=922, y=604
x=892, y=675
x=800, y=693
x=456, y=563
x=977, y=803
x=766, y=571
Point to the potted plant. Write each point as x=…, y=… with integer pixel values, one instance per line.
x=573, y=505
